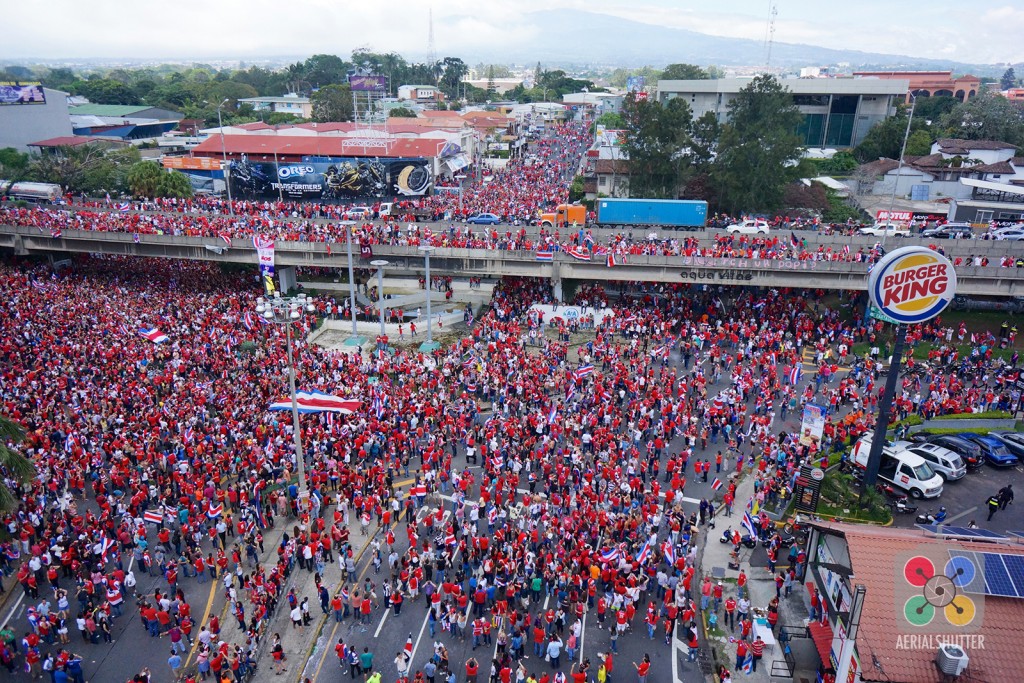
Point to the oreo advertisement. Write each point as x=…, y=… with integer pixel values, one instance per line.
x=343, y=178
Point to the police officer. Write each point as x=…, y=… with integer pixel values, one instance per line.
x=993, y=505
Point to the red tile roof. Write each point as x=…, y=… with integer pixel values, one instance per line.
x=876, y=555
x=302, y=145
x=65, y=141
x=958, y=146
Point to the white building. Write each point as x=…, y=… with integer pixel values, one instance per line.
x=838, y=112
x=21, y=124
x=287, y=104
x=418, y=93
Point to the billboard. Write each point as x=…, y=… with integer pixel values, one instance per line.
x=368, y=83
x=812, y=427
x=635, y=83
x=342, y=178
x=21, y=93
x=192, y=163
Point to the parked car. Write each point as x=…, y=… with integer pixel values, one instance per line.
x=1014, y=441
x=950, y=231
x=968, y=451
x=749, y=226
x=484, y=219
x=994, y=451
x=357, y=213
x=886, y=229
x=945, y=462
x=1012, y=233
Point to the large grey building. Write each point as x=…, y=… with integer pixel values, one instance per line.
x=838, y=112
x=21, y=124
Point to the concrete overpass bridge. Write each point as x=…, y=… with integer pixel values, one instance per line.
x=973, y=280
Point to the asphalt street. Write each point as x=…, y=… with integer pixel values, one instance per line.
x=311, y=652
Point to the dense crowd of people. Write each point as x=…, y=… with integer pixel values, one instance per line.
x=160, y=458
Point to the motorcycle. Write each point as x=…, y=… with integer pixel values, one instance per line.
x=746, y=540
x=929, y=518
x=903, y=506
x=785, y=540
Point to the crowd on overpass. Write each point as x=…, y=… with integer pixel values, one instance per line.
x=161, y=457
x=232, y=232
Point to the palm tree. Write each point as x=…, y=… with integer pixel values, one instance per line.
x=13, y=465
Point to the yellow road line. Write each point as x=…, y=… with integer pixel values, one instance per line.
x=334, y=630
x=206, y=617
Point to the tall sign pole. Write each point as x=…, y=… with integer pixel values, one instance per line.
x=909, y=285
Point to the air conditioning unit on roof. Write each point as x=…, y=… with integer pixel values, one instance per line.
x=951, y=659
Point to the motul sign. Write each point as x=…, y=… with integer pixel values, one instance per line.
x=912, y=284
x=893, y=215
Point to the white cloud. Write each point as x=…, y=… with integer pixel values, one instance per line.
x=245, y=28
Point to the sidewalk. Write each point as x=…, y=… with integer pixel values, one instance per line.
x=760, y=586
x=297, y=643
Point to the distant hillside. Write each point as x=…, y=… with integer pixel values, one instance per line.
x=576, y=37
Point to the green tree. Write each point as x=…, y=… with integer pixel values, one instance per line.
x=59, y=78
x=684, y=72
x=885, y=139
x=332, y=103
x=655, y=138
x=919, y=143
x=1009, y=79
x=451, y=79
x=490, y=80
x=931, y=109
x=143, y=178
x=611, y=120
x=322, y=70
x=173, y=184
x=77, y=169
x=401, y=113
x=14, y=167
x=704, y=141
x=105, y=91
x=15, y=466
x=989, y=116
x=757, y=147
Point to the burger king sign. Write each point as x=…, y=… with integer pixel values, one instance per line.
x=912, y=284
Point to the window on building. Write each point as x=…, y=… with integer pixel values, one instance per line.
x=983, y=216
x=602, y=181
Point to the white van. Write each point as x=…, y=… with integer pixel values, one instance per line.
x=385, y=209
x=901, y=468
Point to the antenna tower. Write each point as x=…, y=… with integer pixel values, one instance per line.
x=431, y=52
x=773, y=11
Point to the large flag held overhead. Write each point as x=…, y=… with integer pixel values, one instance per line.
x=317, y=402
x=153, y=334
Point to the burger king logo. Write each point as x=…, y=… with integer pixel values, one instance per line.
x=912, y=284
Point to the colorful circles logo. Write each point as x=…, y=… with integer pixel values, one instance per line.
x=941, y=592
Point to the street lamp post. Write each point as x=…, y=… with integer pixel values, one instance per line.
x=426, y=249
x=899, y=168
x=277, y=172
x=224, y=154
x=460, y=177
x=380, y=263
x=351, y=275
x=286, y=311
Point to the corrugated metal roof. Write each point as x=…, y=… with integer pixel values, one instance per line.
x=292, y=145
x=106, y=109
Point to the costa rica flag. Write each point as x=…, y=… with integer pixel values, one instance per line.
x=153, y=334
x=153, y=516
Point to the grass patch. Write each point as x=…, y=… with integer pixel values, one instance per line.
x=841, y=498
x=921, y=350
x=961, y=430
x=987, y=415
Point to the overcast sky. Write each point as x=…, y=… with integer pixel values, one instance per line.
x=965, y=31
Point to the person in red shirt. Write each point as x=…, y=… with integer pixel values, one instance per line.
x=643, y=668
x=757, y=649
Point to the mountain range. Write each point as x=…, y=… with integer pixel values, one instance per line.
x=566, y=36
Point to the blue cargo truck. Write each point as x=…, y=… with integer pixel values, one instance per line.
x=682, y=214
